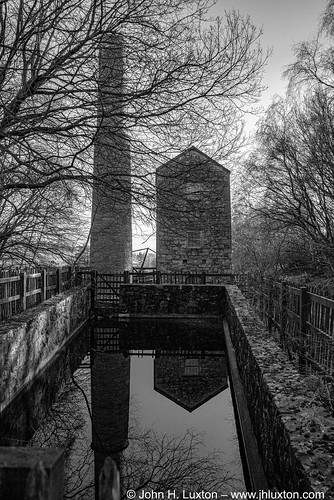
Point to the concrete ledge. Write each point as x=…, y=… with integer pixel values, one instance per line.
x=28, y=341
x=294, y=434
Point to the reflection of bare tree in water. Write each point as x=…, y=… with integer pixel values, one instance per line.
x=68, y=426
x=153, y=461
x=160, y=462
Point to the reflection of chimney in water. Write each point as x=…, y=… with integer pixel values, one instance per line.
x=110, y=376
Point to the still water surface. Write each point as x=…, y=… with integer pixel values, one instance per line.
x=155, y=396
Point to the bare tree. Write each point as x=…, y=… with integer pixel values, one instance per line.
x=292, y=171
x=187, y=80
x=40, y=226
x=313, y=64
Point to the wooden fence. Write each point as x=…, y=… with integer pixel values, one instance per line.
x=23, y=289
x=301, y=319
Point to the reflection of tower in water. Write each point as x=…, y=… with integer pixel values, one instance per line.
x=189, y=369
x=110, y=379
x=191, y=380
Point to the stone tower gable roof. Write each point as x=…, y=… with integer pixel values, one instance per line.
x=182, y=158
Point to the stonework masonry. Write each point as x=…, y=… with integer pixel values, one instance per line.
x=111, y=233
x=295, y=434
x=193, y=215
x=30, y=340
x=171, y=300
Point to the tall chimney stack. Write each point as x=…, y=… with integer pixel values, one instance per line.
x=111, y=233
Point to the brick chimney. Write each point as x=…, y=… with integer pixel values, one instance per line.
x=111, y=234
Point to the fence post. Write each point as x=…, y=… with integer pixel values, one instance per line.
x=44, y=284
x=59, y=276
x=303, y=310
x=78, y=280
x=23, y=291
x=270, y=303
x=203, y=278
x=282, y=312
x=93, y=286
x=158, y=277
x=126, y=277
x=249, y=288
x=70, y=283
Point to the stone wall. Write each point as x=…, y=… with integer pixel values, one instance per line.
x=23, y=415
x=193, y=214
x=169, y=300
x=294, y=433
x=30, y=340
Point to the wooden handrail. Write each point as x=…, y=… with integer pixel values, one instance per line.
x=21, y=290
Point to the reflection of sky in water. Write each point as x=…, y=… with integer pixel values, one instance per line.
x=69, y=426
x=169, y=417
x=215, y=418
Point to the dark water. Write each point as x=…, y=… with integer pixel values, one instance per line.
x=155, y=396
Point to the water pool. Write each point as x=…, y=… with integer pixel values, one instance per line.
x=155, y=396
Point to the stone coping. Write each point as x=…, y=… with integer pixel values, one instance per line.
x=29, y=340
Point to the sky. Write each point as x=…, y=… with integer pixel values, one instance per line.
x=284, y=24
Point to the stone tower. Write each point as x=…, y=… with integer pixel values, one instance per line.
x=111, y=233
x=193, y=215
